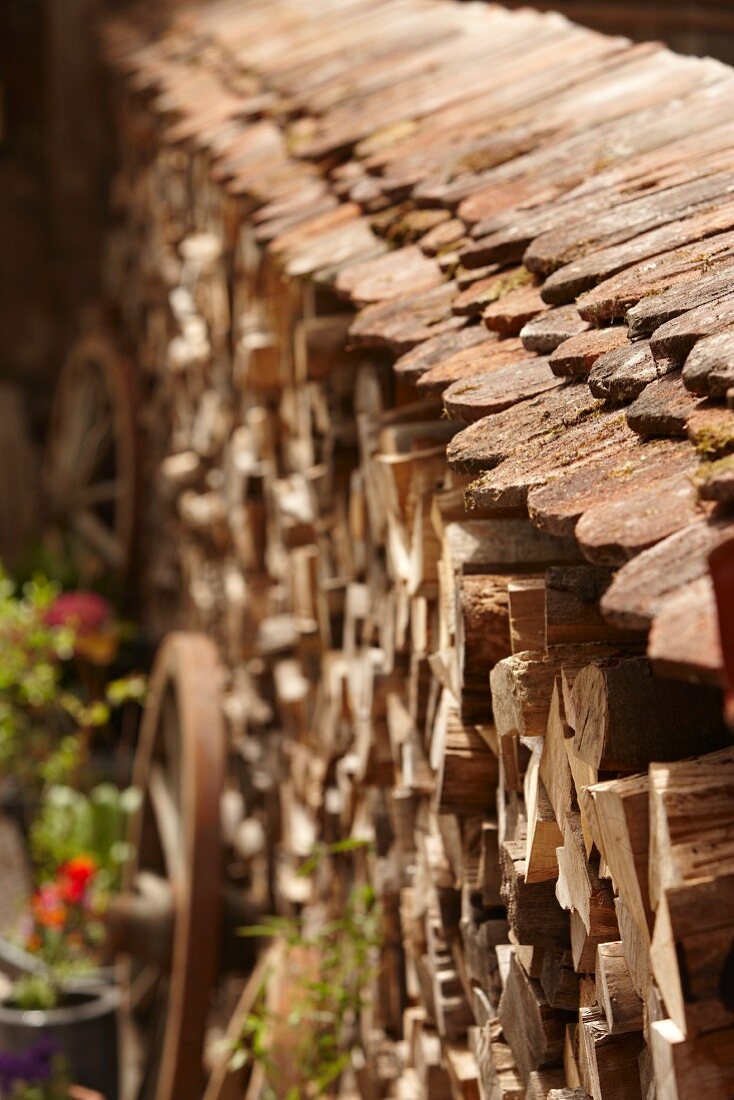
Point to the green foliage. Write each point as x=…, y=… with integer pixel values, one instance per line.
x=46, y=717
x=35, y=992
x=329, y=966
x=36, y=713
x=70, y=823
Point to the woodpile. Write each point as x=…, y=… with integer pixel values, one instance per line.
x=432, y=311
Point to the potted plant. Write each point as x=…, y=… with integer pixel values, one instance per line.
x=63, y=930
x=74, y=829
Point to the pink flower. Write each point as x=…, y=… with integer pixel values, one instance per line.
x=85, y=612
x=48, y=907
x=90, y=617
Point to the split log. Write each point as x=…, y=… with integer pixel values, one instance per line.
x=544, y=835
x=522, y=685
x=468, y=770
x=534, y=1031
x=527, y=612
x=686, y=1068
x=692, y=951
x=618, y=998
x=579, y=886
x=622, y=834
x=611, y=1060
x=572, y=601
x=532, y=910
x=626, y=717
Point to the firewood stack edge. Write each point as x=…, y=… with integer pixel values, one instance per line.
x=432, y=312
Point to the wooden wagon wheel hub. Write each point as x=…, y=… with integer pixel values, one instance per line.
x=90, y=463
x=168, y=917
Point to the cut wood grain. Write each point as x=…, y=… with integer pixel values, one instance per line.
x=532, y=910
x=533, y=1029
x=526, y=596
x=468, y=772
x=626, y=717
x=579, y=886
x=611, y=1060
x=522, y=685
x=544, y=835
x=620, y=824
x=617, y=996
x=554, y=770
x=686, y=1067
x=691, y=953
x=572, y=605
x=482, y=636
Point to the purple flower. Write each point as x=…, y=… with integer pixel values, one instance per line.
x=33, y=1065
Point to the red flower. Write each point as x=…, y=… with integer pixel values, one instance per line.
x=75, y=875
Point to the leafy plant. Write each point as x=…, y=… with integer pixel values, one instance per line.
x=71, y=823
x=79, y=847
x=304, y=1023
x=62, y=929
x=46, y=714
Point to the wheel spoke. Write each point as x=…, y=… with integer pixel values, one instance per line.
x=92, y=531
x=167, y=821
x=142, y=988
x=97, y=442
x=103, y=492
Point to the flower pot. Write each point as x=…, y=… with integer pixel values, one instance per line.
x=83, y=1028
x=17, y=963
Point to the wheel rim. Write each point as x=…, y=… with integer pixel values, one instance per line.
x=90, y=464
x=175, y=878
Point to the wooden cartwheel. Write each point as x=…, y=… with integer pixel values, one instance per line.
x=168, y=918
x=90, y=466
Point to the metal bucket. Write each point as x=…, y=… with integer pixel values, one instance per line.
x=84, y=1030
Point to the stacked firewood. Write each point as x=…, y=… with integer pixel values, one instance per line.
x=453, y=670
